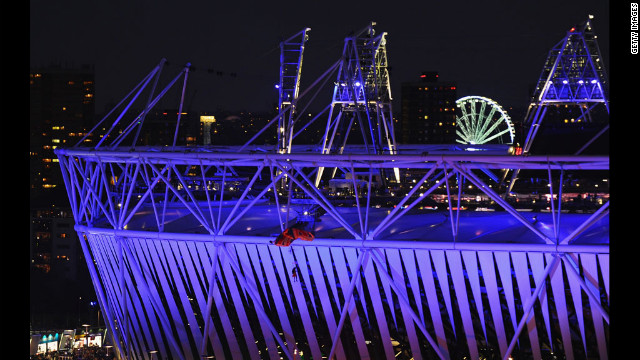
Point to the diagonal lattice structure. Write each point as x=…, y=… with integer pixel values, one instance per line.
x=427, y=281
x=362, y=95
x=291, y=55
x=573, y=75
x=177, y=242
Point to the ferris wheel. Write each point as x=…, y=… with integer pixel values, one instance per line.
x=481, y=120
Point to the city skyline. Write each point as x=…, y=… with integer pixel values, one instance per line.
x=234, y=51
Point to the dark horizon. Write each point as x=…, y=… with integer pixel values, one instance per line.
x=496, y=50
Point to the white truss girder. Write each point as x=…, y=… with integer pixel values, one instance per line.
x=159, y=289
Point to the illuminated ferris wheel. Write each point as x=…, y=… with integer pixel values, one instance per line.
x=481, y=120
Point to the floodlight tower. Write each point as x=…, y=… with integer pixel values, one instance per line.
x=291, y=51
x=573, y=75
x=362, y=92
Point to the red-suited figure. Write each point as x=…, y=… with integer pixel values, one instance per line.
x=290, y=234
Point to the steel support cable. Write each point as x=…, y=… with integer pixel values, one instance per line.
x=242, y=197
x=212, y=283
x=135, y=121
x=112, y=221
x=595, y=217
x=495, y=197
x=529, y=305
x=177, y=194
x=206, y=192
x=390, y=219
x=407, y=305
x=144, y=80
x=319, y=199
x=295, y=120
x=85, y=198
x=454, y=230
x=224, y=177
x=201, y=217
x=256, y=199
x=149, y=191
x=282, y=112
x=125, y=204
x=147, y=107
x=553, y=208
x=184, y=86
x=355, y=191
x=569, y=263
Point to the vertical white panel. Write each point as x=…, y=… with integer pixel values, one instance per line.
x=387, y=292
x=228, y=332
x=604, y=269
x=352, y=311
x=247, y=332
x=142, y=248
x=504, y=269
x=376, y=301
x=557, y=287
x=255, y=259
x=440, y=265
x=205, y=267
x=471, y=264
x=247, y=267
x=176, y=270
x=352, y=259
x=108, y=266
x=457, y=275
x=319, y=278
x=169, y=260
x=491, y=283
x=274, y=286
x=409, y=262
x=157, y=254
x=521, y=270
x=537, y=267
x=432, y=299
x=576, y=295
x=325, y=256
x=590, y=268
x=285, y=276
x=303, y=310
x=301, y=258
x=393, y=257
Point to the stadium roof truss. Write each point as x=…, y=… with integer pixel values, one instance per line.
x=176, y=239
x=146, y=271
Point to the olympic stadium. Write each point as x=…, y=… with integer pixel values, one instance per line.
x=419, y=252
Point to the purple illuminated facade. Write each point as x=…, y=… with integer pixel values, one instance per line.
x=177, y=241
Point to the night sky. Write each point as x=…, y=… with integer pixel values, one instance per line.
x=490, y=48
